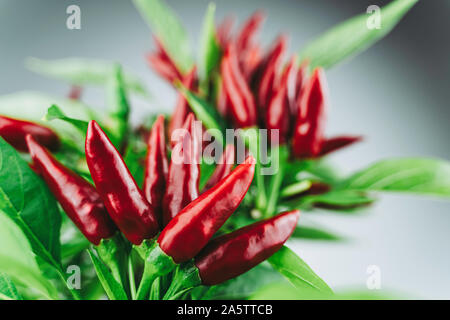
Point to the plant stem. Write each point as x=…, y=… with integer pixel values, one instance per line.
x=131, y=278
x=279, y=155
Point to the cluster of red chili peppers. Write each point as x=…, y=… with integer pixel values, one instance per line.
x=170, y=209
x=256, y=90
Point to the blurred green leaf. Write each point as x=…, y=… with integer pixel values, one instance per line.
x=17, y=258
x=209, y=48
x=313, y=233
x=169, y=30
x=82, y=71
x=8, y=290
x=26, y=200
x=112, y=288
x=353, y=36
x=54, y=112
x=414, y=175
x=296, y=271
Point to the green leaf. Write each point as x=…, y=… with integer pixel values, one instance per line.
x=313, y=233
x=54, y=112
x=296, y=271
x=206, y=113
x=33, y=106
x=414, y=175
x=134, y=158
x=353, y=36
x=27, y=201
x=209, y=48
x=82, y=71
x=112, y=288
x=279, y=155
x=169, y=30
x=18, y=261
x=8, y=290
x=118, y=107
x=338, y=198
x=207, y=168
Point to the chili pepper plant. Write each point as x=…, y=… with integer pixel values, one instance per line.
x=196, y=203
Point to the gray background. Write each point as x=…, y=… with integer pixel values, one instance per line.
x=396, y=94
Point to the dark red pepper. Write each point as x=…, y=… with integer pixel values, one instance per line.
x=156, y=167
x=125, y=202
x=77, y=197
x=182, y=108
x=223, y=168
x=193, y=227
x=242, y=104
x=336, y=143
x=231, y=255
x=14, y=131
x=184, y=170
x=248, y=31
x=268, y=72
x=310, y=125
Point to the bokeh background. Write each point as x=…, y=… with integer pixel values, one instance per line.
x=396, y=94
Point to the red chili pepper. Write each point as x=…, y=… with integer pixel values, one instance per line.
x=248, y=31
x=77, y=197
x=182, y=108
x=278, y=115
x=223, y=168
x=125, y=202
x=75, y=92
x=269, y=69
x=308, y=133
x=163, y=64
x=184, y=171
x=336, y=143
x=156, y=167
x=193, y=227
x=242, y=104
x=232, y=254
x=14, y=131
x=223, y=31
x=223, y=101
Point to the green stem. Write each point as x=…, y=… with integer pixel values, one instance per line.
x=186, y=278
x=131, y=278
x=295, y=188
x=148, y=277
x=279, y=155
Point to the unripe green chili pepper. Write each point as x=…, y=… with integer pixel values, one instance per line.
x=184, y=170
x=77, y=197
x=125, y=202
x=14, y=131
x=156, y=167
x=308, y=132
x=235, y=253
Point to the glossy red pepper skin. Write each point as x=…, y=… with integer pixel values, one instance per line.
x=182, y=108
x=223, y=167
x=163, y=64
x=156, y=167
x=231, y=255
x=310, y=125
x=242, y=105
x=194, y=226
x=125, y=202
x=336, y=143
x=184, y=171
x=14, y=132
x=77, y=197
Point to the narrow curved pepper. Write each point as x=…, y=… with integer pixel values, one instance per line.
x=194, y=226
x=77, y=197
x=182, y=108
x=308, y=132
x=156, y=167
x=184, y=171
x=248, y=31
x=336, y=143
x=231, y=255
x=223, y=167
x=223, y=31
x=269, y=70
x=163, y=64
x=125, y=202
x=14, y=131
x=242, y=104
